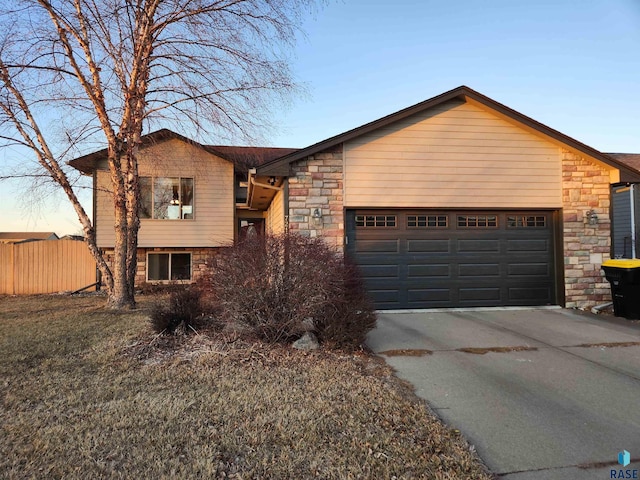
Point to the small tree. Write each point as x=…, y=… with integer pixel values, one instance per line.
x=101, y=70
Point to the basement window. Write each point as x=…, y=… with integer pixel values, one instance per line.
x=168, y=266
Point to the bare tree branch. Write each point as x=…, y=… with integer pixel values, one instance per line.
x=75, y=73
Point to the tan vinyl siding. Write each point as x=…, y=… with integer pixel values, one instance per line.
x=275, y=215
x=213, y=199
x=455, y=155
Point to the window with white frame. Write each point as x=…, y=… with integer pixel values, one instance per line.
x=165, y=266
x=166, y=198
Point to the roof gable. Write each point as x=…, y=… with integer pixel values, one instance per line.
x=243, y=158
x=465, y=94
x=88, y=163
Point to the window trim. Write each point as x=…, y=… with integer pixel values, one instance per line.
x=386, y=216
x=525, y=226
x=487, y=217
x=170, y=253
x=437, y=218
x=180, y=178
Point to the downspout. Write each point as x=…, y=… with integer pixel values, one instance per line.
x=95, y=222
x=633, y=220
x=285, y=205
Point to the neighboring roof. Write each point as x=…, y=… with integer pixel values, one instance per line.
x=281, y=166
x=15, y=237
x=72, y=237
x=630, y=159
x=242, y=157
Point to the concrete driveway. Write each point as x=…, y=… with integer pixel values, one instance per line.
x=541, y=393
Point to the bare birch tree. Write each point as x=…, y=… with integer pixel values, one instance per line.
x=104, y=70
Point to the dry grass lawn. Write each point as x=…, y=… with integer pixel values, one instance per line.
x=88, y=393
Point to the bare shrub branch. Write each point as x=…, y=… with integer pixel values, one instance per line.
x=282, y=286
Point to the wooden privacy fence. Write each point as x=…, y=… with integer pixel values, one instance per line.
x=48, y=266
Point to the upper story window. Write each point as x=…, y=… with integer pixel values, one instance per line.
x=166, y=198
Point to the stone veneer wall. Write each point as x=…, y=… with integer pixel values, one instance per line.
x=199, y=258
x=316, y=182
x=585, y=186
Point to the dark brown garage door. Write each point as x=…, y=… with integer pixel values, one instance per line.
x=425, y=259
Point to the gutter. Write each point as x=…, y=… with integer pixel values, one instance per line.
x=251, y=183
x=264, y=185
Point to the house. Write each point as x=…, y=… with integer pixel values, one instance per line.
x=625, y=213
x=456, y=201
x=77, y=238
x=194, y=200
x=22, y=237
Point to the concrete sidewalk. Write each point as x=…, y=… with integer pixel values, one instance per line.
x=546, y=393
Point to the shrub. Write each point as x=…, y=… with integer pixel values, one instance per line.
x=184, y=310
x=282, y=286
x=349, y=315
x=148, y=288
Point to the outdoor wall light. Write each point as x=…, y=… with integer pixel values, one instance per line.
x=317, y=216
x=272, y=181
x=591, y=217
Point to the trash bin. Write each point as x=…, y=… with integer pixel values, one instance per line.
x=624, y=277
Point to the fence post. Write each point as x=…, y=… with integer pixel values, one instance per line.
x=13, y=268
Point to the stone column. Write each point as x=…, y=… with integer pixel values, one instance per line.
x=585, y=188
x=317, y=183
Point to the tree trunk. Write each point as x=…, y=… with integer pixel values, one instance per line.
x=133, y=225
x=122, y=293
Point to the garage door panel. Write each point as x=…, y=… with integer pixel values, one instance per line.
x=428, y=271
x=449, y=259
x=381, y=297
x=540, y=295
x=429, y=295
x=528, y=269
x=380, y=246
x=476, y=246
x=428, y=246
x=479, y=294
x=380, y=271
x=479, y=270
x=528, y=245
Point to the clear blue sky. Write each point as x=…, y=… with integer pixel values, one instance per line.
x=573, y=65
